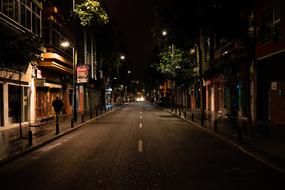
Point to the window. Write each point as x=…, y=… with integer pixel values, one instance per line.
x=24, y=12
x=38, y=26
x=8, y=8
x=16, y=11
x=34, y=23
x=14, y=103
x=23, y=15
x=267, y=19
x=28, y=21
x=271, y=21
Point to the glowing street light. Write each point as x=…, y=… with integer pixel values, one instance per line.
x=123, y=57
x=65, y=44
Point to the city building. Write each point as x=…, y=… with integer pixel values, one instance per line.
x=226, y=79
x=55, y=71
x=20, y=48
x=270, y=56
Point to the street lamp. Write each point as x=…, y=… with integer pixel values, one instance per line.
x=123, y=57
x=164, y=33
x=66, y=44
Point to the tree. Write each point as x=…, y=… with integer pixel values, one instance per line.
x=177, y=64
x=91, y=11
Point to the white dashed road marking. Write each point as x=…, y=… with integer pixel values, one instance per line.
x=140, y=146
x=140, y=125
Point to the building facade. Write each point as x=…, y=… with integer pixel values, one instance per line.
x=20, y=28
x=35, y=68
x=270, y=57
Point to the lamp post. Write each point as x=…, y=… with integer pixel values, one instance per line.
x=74, y=66
x=164, y=33
x=122, y=57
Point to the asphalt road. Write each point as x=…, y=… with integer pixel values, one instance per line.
x=139, y=146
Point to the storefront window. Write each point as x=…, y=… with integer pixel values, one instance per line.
x=18, y=103
x=14, y=103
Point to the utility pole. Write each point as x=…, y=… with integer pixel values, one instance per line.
x=74, y=55
x=200, y=61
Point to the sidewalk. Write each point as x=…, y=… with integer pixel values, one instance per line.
x=13, y=146
x=266, y=143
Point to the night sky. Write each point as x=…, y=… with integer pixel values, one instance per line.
x=135, y=19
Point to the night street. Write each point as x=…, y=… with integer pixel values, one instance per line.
x=139, y=146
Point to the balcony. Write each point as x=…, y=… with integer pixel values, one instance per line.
x=231, y=52
x=228, y=59
x=55, y=61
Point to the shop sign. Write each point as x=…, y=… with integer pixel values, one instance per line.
x=273, y=85
x=83, y=74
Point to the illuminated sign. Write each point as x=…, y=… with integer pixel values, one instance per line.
x=82, y=74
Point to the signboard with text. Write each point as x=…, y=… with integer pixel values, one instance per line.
x=82, y=74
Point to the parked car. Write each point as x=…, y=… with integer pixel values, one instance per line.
x=164, y=102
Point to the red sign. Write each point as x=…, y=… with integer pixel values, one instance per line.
x=82, y=74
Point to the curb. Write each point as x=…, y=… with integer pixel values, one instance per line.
x=241, y=148
x=18, y=154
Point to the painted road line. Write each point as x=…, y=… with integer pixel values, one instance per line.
x=140, y=146
x=140, y=117
x=140, y=125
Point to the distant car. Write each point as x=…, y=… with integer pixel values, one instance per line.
x=140, y=99
x=164, y=102
x=131, y=99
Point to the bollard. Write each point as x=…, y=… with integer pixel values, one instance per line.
x=239, y=135
x=91, y=115
x=82, y=118
x=57, y=124
x=96, y=112
x=72, y=123
x=179, y=112
x=216, y=125
x=192, y=116
x=30, y=138
x=185, y=115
